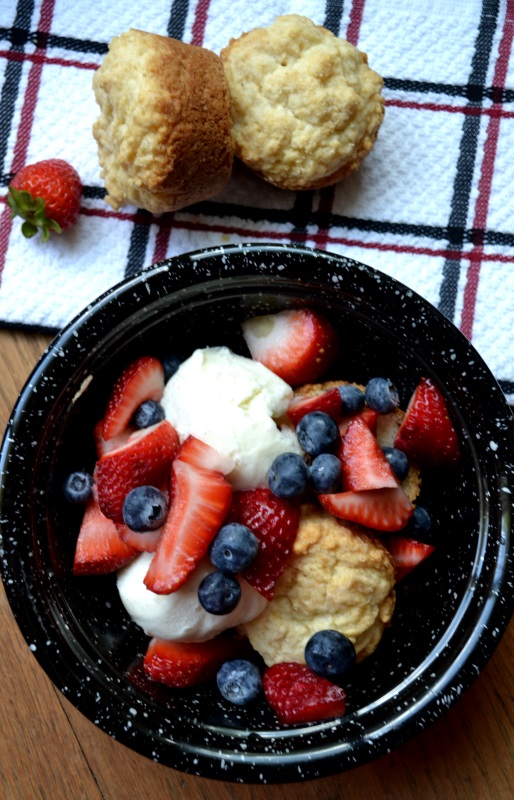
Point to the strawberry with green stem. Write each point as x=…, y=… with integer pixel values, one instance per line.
x=46, y=195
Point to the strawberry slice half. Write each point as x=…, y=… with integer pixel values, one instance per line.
x=329, y=402
x=99, y=549
x=368, y=415
x=144, y=459
x=381, y=509
x=297, y=345
x=407, y=553
x=427, y=435
x=200, y=454
x=142, y=380
x=297, y=694
x=104, y=446
x=200, y=499
x=181, y=664
x=145, y=541
x=363, y=463
x=274, y=521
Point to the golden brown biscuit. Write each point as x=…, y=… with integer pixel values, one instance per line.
x=387, y=428
x=306, y=108
x=164, y=134
x=338, y=578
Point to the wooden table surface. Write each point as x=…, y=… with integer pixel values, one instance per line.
x=49, y=750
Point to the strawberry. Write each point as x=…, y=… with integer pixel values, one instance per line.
x=99, y=549
x=104, y=446
x=181, y=664
x=47, y=197
x=381, y=509
x=274, y=521
x=200, y=454
x=297, y=694
x=297, y=345
x=427, y=435
x=200, y=499
x=368, y=415
x=142, y=380
x=144, y=460
x=407, y=553
x=146, y=541
x=329, y=402
x=364, y=465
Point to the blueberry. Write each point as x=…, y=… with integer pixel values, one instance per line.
x=218, y=593
x=78, y=487
x=239, y=681
x=149, y=413
x=288, y=475
x=382, y=395
x=420, y=523
x=330, y=654
x=145, y=509
x=325, y=473
x=398, y=461
x=317, y=433
x=352, y=399
x=234, y=548
x=171, y=364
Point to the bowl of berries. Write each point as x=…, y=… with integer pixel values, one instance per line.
x=257, y=525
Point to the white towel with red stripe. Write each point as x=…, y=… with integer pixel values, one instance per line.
x=432, y=205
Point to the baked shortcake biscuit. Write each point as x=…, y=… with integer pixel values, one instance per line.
x=164, y=133
x=338, y=578
x=306, y=107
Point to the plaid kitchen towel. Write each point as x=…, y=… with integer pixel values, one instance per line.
x=432, y=205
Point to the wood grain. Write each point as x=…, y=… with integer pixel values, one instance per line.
x=49, y=750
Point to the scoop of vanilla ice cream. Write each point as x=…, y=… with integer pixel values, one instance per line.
x=231, y=403
x=179, y=616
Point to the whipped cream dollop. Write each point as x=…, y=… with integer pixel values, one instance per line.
x=179, y=615
x=233, y=404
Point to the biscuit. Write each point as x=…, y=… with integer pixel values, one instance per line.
x=164, y=133
x=387, y=428
x=306, y=107
x=338, y=578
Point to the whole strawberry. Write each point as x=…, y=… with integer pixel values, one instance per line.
x=47, y=197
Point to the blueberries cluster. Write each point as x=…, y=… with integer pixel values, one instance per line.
x=328, y=653
x=290, y=475
x=318, y=435
x=233, y=549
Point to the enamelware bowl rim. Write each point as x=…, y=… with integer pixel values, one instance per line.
x=209, y=270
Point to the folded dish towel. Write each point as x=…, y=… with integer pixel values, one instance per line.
x=431, y=205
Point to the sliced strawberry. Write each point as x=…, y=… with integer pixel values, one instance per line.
x=200, y=454
x=104, y=446
x=296, y=694
x=427, y=435
x=144, y=459
x=364, y=465
x=181, y=664
x=368, y=415
x=145, y=541
x=329, y=402
x=274, y=521
x=380, y=509
x=407, y=553
x=297, y=345
x=142, y=380
x=99, y=549
x=200, y=499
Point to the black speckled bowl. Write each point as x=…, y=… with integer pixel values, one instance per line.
x=451, y=611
